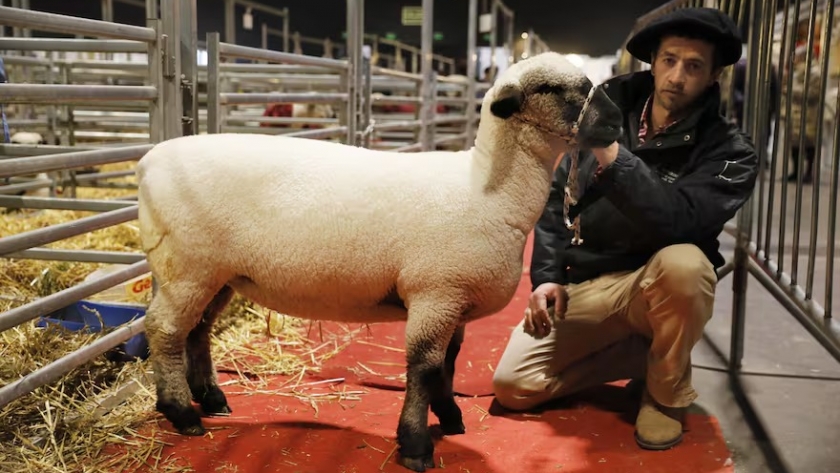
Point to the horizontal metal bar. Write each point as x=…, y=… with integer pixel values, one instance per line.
x=281, y=120
x=97, y=176
x=61, y=299
x=380, y=126
x=387, y=100
x=825, y=330
x=43, y=21
x=449, y=120
x=73, y=44
x=55, y=162
x=25, y=60
x=80, y=256
x=412, y=147
x=80, y=67
x=268, y=68
x=64, y=93
x=135, y=3
x=55, y=203
x=61, y=231
x=245, y=52
x=449, y=139
x=322, y=133
x=395, y=73
x=69, y=362
x=25, y=186
x=262, y=98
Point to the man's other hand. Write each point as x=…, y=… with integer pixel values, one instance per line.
x=537, y=319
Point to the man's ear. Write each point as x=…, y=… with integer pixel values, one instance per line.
x=508, y=100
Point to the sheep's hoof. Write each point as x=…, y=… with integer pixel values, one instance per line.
x=193, y=430
x=185, y=419
x=455, y=427
x=417, y=463
x=213, y=402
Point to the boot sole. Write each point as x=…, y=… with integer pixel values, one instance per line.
x=657, y=446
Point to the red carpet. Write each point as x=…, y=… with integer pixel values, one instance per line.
x=592, y=433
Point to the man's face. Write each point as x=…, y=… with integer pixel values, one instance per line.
x=682, y=70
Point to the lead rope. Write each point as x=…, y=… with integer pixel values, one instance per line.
x=572, y=190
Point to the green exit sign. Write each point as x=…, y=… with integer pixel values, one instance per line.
x=391, y=36
x=438, y=36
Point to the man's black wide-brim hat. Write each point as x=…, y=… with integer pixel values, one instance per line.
x=710, y=23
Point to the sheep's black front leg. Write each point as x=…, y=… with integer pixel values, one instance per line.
x=443, y=398
x=428, y=333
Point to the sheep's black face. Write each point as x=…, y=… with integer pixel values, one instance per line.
x=547, y=92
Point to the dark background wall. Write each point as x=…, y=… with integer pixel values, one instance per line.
x=586, y=27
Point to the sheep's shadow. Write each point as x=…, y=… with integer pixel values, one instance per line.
x=600, y=422
x=304, y=445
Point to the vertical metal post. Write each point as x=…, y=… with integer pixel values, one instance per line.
x=788, y=129
x=230, y=21
x=108, y=10
x=286, y=29
x=803, y=126
x=367, y=111
x=108, y=15
x=152, y=9
x=787, y=40
x=511, y=37
x=762, y=131
x=355, y=9
x=214, y=117
x=172, y=98
x=156, y=79
x=472, y=33
x=264, y=36
x=745, y=220
x=189, y=67
x=494, y=23
x=428, y=87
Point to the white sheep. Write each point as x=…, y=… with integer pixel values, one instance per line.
x=327, y=231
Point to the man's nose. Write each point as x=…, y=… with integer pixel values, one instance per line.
x=677, y=76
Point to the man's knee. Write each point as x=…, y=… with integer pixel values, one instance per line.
x=516, y=391
x=685, y=270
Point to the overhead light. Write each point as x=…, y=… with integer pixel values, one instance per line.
x=525, y=35
x=248, y=19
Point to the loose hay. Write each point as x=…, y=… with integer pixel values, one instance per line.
x=69, y=425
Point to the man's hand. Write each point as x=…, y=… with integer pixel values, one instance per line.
x=606, y=156
x=537, y=321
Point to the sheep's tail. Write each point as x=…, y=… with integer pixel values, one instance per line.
x=152, y=231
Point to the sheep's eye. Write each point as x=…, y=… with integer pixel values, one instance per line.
x=550, y=89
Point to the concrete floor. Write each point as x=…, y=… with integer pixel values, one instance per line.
x=792, y=383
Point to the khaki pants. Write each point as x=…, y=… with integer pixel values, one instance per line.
x=639, y=324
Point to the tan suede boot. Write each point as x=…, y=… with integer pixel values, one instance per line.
x=658, y=427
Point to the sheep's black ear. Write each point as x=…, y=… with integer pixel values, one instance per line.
x=509, y=100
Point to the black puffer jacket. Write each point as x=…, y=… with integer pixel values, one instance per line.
x=682, y=186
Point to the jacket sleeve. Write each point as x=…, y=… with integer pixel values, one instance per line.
x=551, y=235
x=697, y=205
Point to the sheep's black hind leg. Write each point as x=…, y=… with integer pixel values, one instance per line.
x=201, y=374
x=173, y=313
x=443, y=398
x=430, y=327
